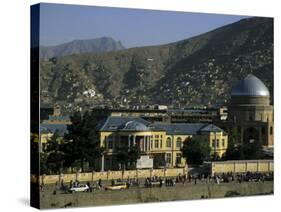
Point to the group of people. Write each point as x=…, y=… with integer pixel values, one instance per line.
x=255, y=177
x=153, y=181
x=157, y=181
x=242, y=177
x=129, y=181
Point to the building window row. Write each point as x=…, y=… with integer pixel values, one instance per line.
x=217, y=143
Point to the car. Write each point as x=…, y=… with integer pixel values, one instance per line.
x=117, y=186
x=79, y=188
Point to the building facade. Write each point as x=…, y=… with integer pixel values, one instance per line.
x=250, y=112
x=162, y=142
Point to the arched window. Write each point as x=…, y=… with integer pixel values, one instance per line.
x=169, y=142
x=179, y=142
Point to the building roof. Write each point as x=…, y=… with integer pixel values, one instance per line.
x=250, y=86
x=52, y=128
x=119, y=123
x=210, y=128
x=114, y=123
x=181, y=129
x=135, y=126
x=60, y=118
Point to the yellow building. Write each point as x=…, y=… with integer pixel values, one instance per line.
x=47, y=131
x=162, y=142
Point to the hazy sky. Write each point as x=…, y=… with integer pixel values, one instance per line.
x=133, y=27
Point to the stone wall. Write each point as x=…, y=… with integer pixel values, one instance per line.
x=108, y=175
x=242, y=166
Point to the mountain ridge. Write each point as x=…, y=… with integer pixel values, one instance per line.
x=94, y=45
x=195, y=71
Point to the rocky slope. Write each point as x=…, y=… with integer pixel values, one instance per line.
x=192, y=72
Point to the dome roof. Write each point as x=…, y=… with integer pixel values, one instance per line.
x=250, y=86
x=135, y=126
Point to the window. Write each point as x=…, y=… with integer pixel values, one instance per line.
x=168, y=158
x=213, y=143
x=218, y=143
x=156, y=141
x=223, y=143
x=178, y=158
x=178, y=142
x=110, y=142
x=271, y=130
x=169, y=142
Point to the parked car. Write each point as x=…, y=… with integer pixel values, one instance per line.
x=117, y=186
x=80, y=188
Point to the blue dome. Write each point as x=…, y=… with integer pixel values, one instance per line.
x=250, y=86
x=135, y=126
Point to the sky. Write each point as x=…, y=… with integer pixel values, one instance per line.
x=61, y=23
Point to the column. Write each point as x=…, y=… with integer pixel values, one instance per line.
x=102, y=162
x=149, y=143
x=144, y=145
x=134, y=140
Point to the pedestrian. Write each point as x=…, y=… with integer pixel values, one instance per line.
x=100, y=185
x=90, y=188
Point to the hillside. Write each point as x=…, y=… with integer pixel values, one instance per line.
x=97, y=45
x=192, y=72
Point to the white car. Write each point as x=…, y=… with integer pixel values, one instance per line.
x=82, y=188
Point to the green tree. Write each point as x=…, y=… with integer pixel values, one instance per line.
x=234, y=150
x=253, y=150
x=134, y=154
x=127, y=155
x=196, y=151
x=43, y=163
x=81, y=142
x=54, y=156
x=244, y=151
x=122, y=157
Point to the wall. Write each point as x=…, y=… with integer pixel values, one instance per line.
x=242, y=166
x=108, y=175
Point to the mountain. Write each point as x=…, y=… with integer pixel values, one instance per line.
x=193, y=72
x=97, y=45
